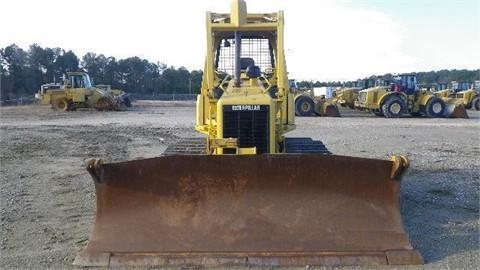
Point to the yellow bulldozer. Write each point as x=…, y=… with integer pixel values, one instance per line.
x=246, y=195
x=77, y=91
x=403, y=97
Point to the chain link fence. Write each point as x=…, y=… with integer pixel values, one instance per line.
x=165, y=97
x=22, y=100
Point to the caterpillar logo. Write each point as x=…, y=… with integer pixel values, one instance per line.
x=245, y=107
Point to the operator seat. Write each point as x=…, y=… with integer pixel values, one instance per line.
x=250, y=68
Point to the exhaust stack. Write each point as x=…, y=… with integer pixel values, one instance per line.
x=238, y=51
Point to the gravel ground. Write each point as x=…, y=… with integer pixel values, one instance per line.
x=47, y=197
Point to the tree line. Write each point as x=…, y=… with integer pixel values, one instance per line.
x=24, y=71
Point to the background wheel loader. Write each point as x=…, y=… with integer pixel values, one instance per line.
x=402, y=97
x=347, y=96
x=307, y=104
x=246, y=195
x=462, y=93
x=78, y=91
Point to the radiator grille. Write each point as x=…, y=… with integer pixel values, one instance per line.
x=249, y=124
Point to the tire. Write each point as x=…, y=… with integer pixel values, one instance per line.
x=435, y=107
x=394, y=107
x=61, y=105
x=102, y=104
x=476, y=104
x=304, y=106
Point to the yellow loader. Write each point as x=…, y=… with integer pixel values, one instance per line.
x=78, y=91
x=246, y=195
x=307, y=104
x=403, y=97
x=347, y=96
x=468, y=96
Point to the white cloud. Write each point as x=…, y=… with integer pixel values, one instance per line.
x=340, y=43
x=324, y=40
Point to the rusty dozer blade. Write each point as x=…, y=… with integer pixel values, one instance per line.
x=455, y=108
x=260, y=210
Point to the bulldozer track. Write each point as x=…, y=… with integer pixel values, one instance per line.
x=305, y=145
x=197, y=146
x=187, y=146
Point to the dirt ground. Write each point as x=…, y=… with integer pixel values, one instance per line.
x=47, y=197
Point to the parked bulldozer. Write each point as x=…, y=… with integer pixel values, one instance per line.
x=466, y=94
x=78, y=91
x=246, y=195
x=403, y=97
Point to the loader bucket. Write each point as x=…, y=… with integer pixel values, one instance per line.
x=326, y=108
x=260, y=210
x=455, y=109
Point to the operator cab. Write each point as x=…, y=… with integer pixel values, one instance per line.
x=364, y=84
x=255, y=52
x=406, y=83
x=79, y=80
x=460, y=86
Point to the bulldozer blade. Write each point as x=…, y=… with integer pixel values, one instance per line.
x=260, y=210
x=455, y=110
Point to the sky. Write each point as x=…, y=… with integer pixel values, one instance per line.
x=325, y=40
